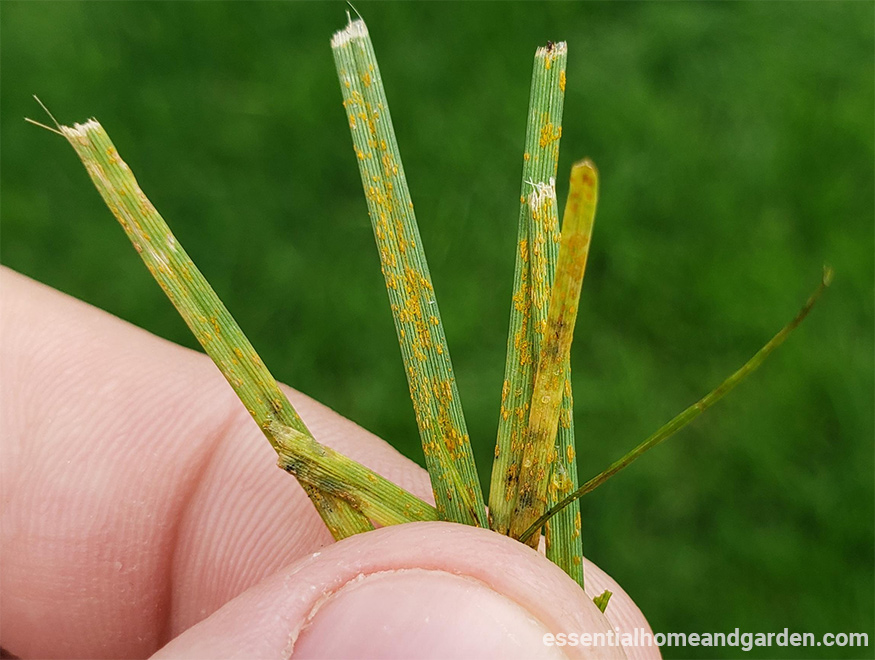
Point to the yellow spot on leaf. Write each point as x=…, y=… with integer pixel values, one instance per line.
x=549, y=133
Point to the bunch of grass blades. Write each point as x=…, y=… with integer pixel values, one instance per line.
x=534, y=486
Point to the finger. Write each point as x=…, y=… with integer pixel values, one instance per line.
x=424, y=590
x=138, y=496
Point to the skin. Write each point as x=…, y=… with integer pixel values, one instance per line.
x=142, y=513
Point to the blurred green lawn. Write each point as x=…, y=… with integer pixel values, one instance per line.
x=735, y=144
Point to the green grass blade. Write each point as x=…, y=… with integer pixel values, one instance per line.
x=436, y=404
x=601, y=601
x=351, y=494
x=553, y=357
x=563, y=533
x=688, y=415
x=540, y=160
x=341, y=517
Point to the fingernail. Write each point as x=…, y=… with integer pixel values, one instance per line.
x=423, y=614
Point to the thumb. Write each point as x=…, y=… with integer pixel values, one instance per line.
x=426, y=590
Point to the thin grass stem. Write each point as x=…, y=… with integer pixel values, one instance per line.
x=688, y=415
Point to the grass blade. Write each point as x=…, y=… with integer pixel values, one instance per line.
x=556, y=347
x=688, y=415
x=540, y=160
x=601, y=601
x=436, y=404
x=563, y=533
x=350, y=493
x=341, y=517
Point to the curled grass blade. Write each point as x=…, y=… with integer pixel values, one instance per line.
x=563, y=533
x=555, y=348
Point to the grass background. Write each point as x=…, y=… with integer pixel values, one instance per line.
x=735, y=144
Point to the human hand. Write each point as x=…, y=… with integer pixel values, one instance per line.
x=142, y=507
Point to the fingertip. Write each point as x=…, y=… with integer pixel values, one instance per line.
x=424, y=614
x=422, y=589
